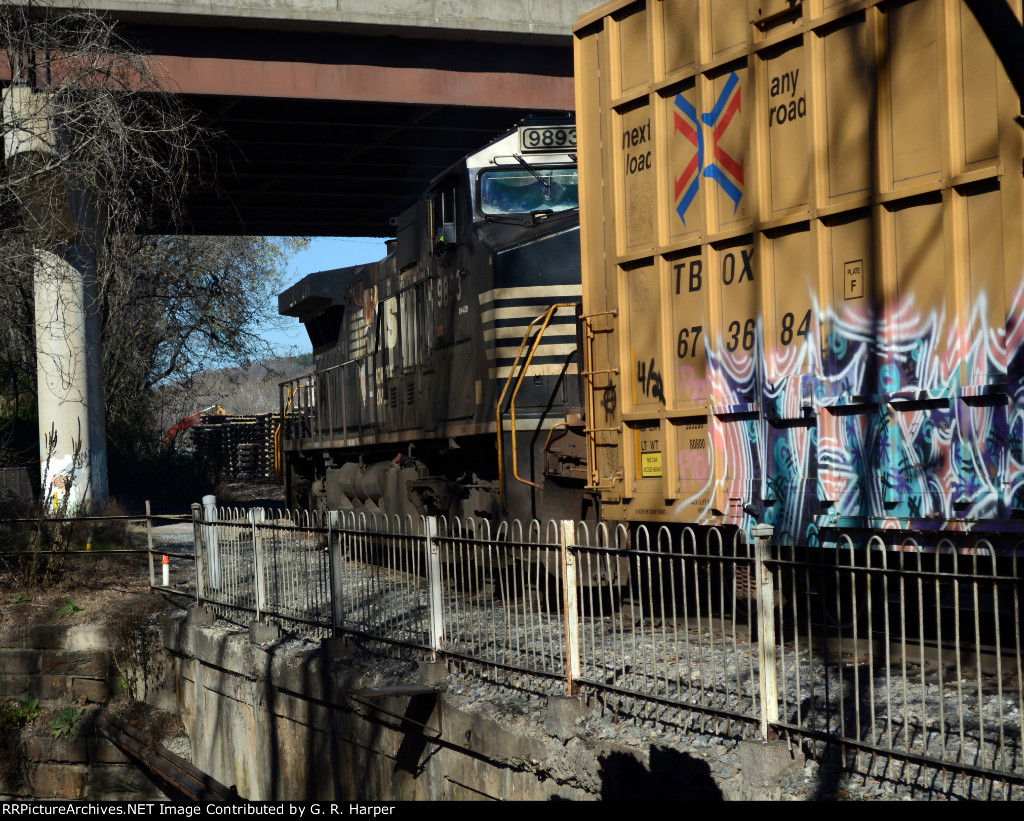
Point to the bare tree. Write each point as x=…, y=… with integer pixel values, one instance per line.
x=118, y=130
x=97, y=149
x=190, y=306
x=107, y=128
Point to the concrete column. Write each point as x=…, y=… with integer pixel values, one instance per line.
x=69, y=377
x=69, y=368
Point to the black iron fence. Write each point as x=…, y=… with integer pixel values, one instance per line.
x=886, y=651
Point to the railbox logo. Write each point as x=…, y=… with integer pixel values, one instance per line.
x=723, y=169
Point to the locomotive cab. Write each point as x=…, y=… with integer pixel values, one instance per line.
x=415, y=352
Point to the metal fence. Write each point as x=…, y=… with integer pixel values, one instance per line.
x=49, y=540
x=884, y=651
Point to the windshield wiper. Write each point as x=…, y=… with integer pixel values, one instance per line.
x=530, y=168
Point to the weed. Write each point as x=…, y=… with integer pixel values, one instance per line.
x=66, y=722
x=11, y=719
x=12, y=748
x=132, y=641
x=18, y=598
x=51, y=533
x=29, y=709
x=69, y=608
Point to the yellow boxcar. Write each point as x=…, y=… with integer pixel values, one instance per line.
x=801, y=231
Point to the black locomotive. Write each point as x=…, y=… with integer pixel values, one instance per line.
x=447, y=374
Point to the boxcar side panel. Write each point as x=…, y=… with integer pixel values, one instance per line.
x=804, y=272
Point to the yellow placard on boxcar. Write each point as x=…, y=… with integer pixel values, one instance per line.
x=650, y=465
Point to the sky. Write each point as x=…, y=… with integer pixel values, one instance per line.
x=323, y=254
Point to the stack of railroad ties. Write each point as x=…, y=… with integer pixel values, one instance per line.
x=237, y=447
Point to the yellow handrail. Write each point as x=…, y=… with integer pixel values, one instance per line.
x=546, y=319
x=278, y=444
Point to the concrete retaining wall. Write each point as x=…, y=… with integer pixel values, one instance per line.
x=286, y=720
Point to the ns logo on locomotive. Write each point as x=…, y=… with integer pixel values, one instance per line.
x=415, y=352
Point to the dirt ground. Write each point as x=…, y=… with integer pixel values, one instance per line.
x=98, y=584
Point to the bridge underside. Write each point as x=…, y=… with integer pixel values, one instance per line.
x=329, y=168
x=333, y=134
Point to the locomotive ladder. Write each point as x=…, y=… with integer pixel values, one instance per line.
x=589, y=389
x=545, y=319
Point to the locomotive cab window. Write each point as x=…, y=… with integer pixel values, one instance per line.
x=445, y=221
x=523, y=190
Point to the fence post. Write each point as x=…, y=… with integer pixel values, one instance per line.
x=334, y=566
x=766, y=628
x=149, y=543
x=257, y=515
x=210, y=540
x=434, y=578
x=567, y=538
x=197, y=537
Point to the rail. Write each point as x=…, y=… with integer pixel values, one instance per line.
x=883, y=651
x=178, y=778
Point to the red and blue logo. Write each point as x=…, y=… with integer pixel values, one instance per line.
x=724, y=170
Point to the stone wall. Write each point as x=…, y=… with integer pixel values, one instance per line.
x=84, y=767
x=56, y=662
x=62, y=665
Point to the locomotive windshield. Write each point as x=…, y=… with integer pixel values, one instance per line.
x=524, y=190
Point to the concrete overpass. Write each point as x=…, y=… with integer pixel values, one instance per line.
x=336, y=114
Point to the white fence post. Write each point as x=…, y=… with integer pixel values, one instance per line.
x=567, y=537
x=257, y=515
x=210, y=540
x=766, y=628
x=434, y=578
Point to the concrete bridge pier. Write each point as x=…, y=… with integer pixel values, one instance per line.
x=72, y=420
x=69, y=375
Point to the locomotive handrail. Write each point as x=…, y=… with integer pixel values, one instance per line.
x=278, y=432
x=546, y=319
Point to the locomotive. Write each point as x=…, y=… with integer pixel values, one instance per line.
x=446, y=376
